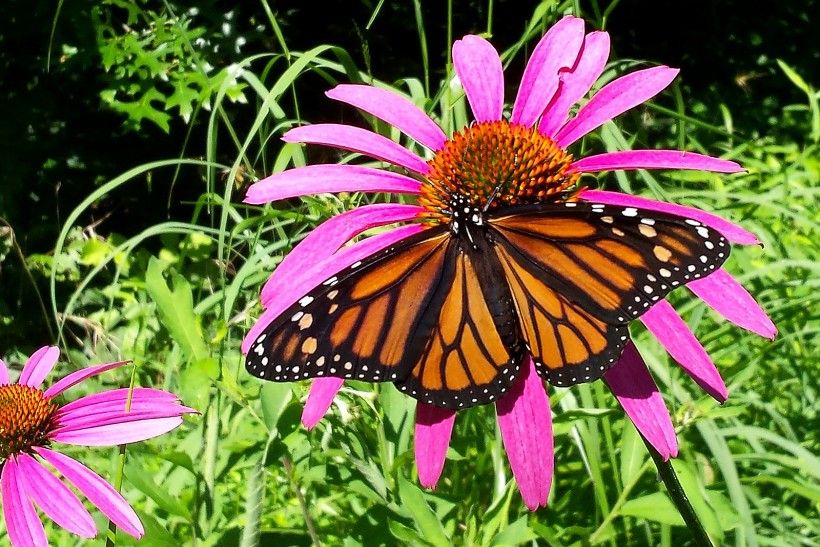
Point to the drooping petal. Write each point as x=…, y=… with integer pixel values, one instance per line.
x=673, y=333
x=725, y=295
x=127, y=431
x=616, y=98
x=325, y=239
x=577, y=82
x=54, y=498
x=322, y=392
x=22, y=523
x=321, y=271
x=479, y=68
x=653, y=159
x=4, y=373
x=359, y=140
x=635, y=389
x=316, y=179
x=526, y=428
x=557, y=49
x=38, y=366
x=730, y=230
x=434, y=426
x=394, y=109
x=78, y=376
x=97, y=490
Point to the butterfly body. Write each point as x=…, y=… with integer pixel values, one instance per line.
x=449, y=314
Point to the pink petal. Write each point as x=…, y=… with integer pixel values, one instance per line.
x=557, y=49
x=359, y=140
x=113, y=412
x=38, y=366
x=322, y=392
x=139, y=396
x=129, y=431
x=54, y=498
x=526, y=429
x=4, y=373
x=394, y=109
x=726, y=296
x=479, y=68
x=78, y=376
x=323, y=270
x=730, y=230
x=316, y=179
x=434, y=427
x=653, y=159
x=97, y=490
x=325, y=239
x=616, y=98
x=672, y=332
x=635, y=389
x=577, y=82
x=22, y=523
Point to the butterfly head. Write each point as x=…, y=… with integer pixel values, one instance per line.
x=490, y=165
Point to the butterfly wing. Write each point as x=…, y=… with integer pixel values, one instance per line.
x=580, y=272
x=414, y=314
x=357, y=323
x=473, y=352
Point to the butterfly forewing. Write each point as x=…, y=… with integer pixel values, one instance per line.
x=614, y=262
x=580, y=272
x=358, y=322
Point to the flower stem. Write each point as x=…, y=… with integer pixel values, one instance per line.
x=673, y=486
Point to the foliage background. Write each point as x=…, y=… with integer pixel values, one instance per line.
x=130, y=130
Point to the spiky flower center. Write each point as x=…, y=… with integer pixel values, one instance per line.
x=495, y=164
x=27, y=417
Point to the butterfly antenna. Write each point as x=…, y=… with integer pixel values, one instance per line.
x=494, y=193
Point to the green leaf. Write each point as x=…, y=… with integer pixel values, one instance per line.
x=515, y=534
x=274, y=398
x=426, y=521
x=195, y=382
x=404, y=534
x=795, y=78
x=657, y=507
x=726, y=514
x=633, y=454
x=696, y=494
x=176, y=310
x=143, y=482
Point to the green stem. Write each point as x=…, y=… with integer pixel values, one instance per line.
x=311, y=528
x=673, y=486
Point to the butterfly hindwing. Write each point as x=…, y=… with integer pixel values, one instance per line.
x=568, y=344
x=473, y=353
x=356, y=323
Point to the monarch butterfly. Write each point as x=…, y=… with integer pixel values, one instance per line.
x=449, y=314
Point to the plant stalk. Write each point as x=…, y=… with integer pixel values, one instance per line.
x=675, y=490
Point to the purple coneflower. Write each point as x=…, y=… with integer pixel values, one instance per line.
x=32, y=420
x=561, y=71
